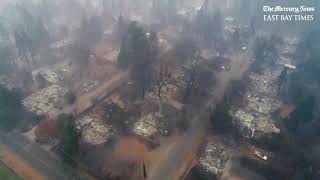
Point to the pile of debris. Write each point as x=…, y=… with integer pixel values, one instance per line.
x=119, y=101
x=88, y=86
x=50, y=75
x=255, y=119
x=263, y=105
x=230, y=25
x=265, y=83
x=244, y=120
x=94, y=131
x=54, y=73
x=253, y=124
x=215, y=156
x=148, y=125
x=61, y=44
x=46, y=100
x=168, y=92
x=22, y=64
x=8, y=83
x=189, y=13
x=111, y=56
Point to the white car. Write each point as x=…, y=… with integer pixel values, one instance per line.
x=260, y=155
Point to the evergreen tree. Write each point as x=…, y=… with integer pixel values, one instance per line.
x=6, y=59
x=11, y=109
x=68, y=135
x=139, y=51
x=124, y=55
x=302, y=114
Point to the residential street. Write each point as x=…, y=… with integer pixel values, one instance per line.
x=177, y=153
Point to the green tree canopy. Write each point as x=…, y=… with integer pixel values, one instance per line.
x=6, y=59
x=302, y=114
x=139, y=51
x=131, y=45
x=11, y=109
x=68, y=136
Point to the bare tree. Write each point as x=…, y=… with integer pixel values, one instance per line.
x=190, y=78
x=282, y=78
x=190, y=65
x=161, y=86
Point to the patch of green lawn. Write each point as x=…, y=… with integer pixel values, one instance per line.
x=7, y=174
